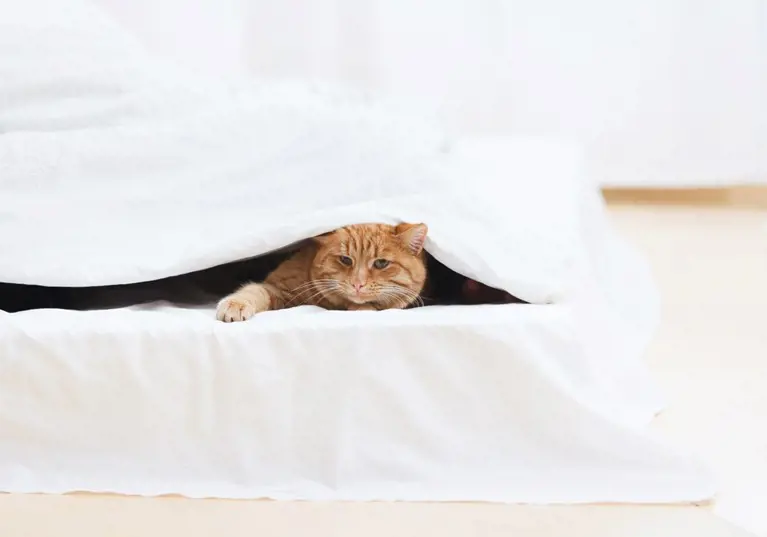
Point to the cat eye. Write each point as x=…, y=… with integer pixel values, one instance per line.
x=346, y=260
x=381, y=263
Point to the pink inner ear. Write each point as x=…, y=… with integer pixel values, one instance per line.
x=414, y=236
x=320, y=239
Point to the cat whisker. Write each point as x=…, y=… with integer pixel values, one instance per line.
x=315, y=282
x=414, y=298
x=308, y=294
x=402, y=294
x=313, y=288
x=308, y=299
x=303, y=293
x=397, y=300
x=312, y=283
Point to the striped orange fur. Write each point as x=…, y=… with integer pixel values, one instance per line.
x=358, y=267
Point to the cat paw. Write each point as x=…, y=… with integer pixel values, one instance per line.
x=232, y=309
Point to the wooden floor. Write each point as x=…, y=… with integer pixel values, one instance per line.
x=94, y=516
x=744, y=197
x=710, y=260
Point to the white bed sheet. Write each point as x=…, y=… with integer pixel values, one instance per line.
x=426, y=404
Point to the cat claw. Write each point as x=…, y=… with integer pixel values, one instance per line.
x=232, y=310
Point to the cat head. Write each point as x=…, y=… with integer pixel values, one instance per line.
x=375, y=264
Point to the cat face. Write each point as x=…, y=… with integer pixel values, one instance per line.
x=371, y=264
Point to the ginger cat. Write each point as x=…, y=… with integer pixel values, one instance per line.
x=358, y=267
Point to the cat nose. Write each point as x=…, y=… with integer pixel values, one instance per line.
x=358, y=286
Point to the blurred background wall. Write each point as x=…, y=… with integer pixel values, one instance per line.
x=658, y=92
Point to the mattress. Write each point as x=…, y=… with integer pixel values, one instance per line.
x=115, y=171
x=426, y=404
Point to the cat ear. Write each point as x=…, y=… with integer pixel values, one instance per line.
x=322, y=239
x=412, y=236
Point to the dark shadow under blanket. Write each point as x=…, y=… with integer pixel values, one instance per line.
x=208, y=286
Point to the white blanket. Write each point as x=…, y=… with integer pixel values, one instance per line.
x=112, y=174
x=114, y=170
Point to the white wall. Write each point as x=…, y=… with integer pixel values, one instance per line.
x=203, y=36
x=658, y=91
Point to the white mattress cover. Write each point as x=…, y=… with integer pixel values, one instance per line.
x=428, y=404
